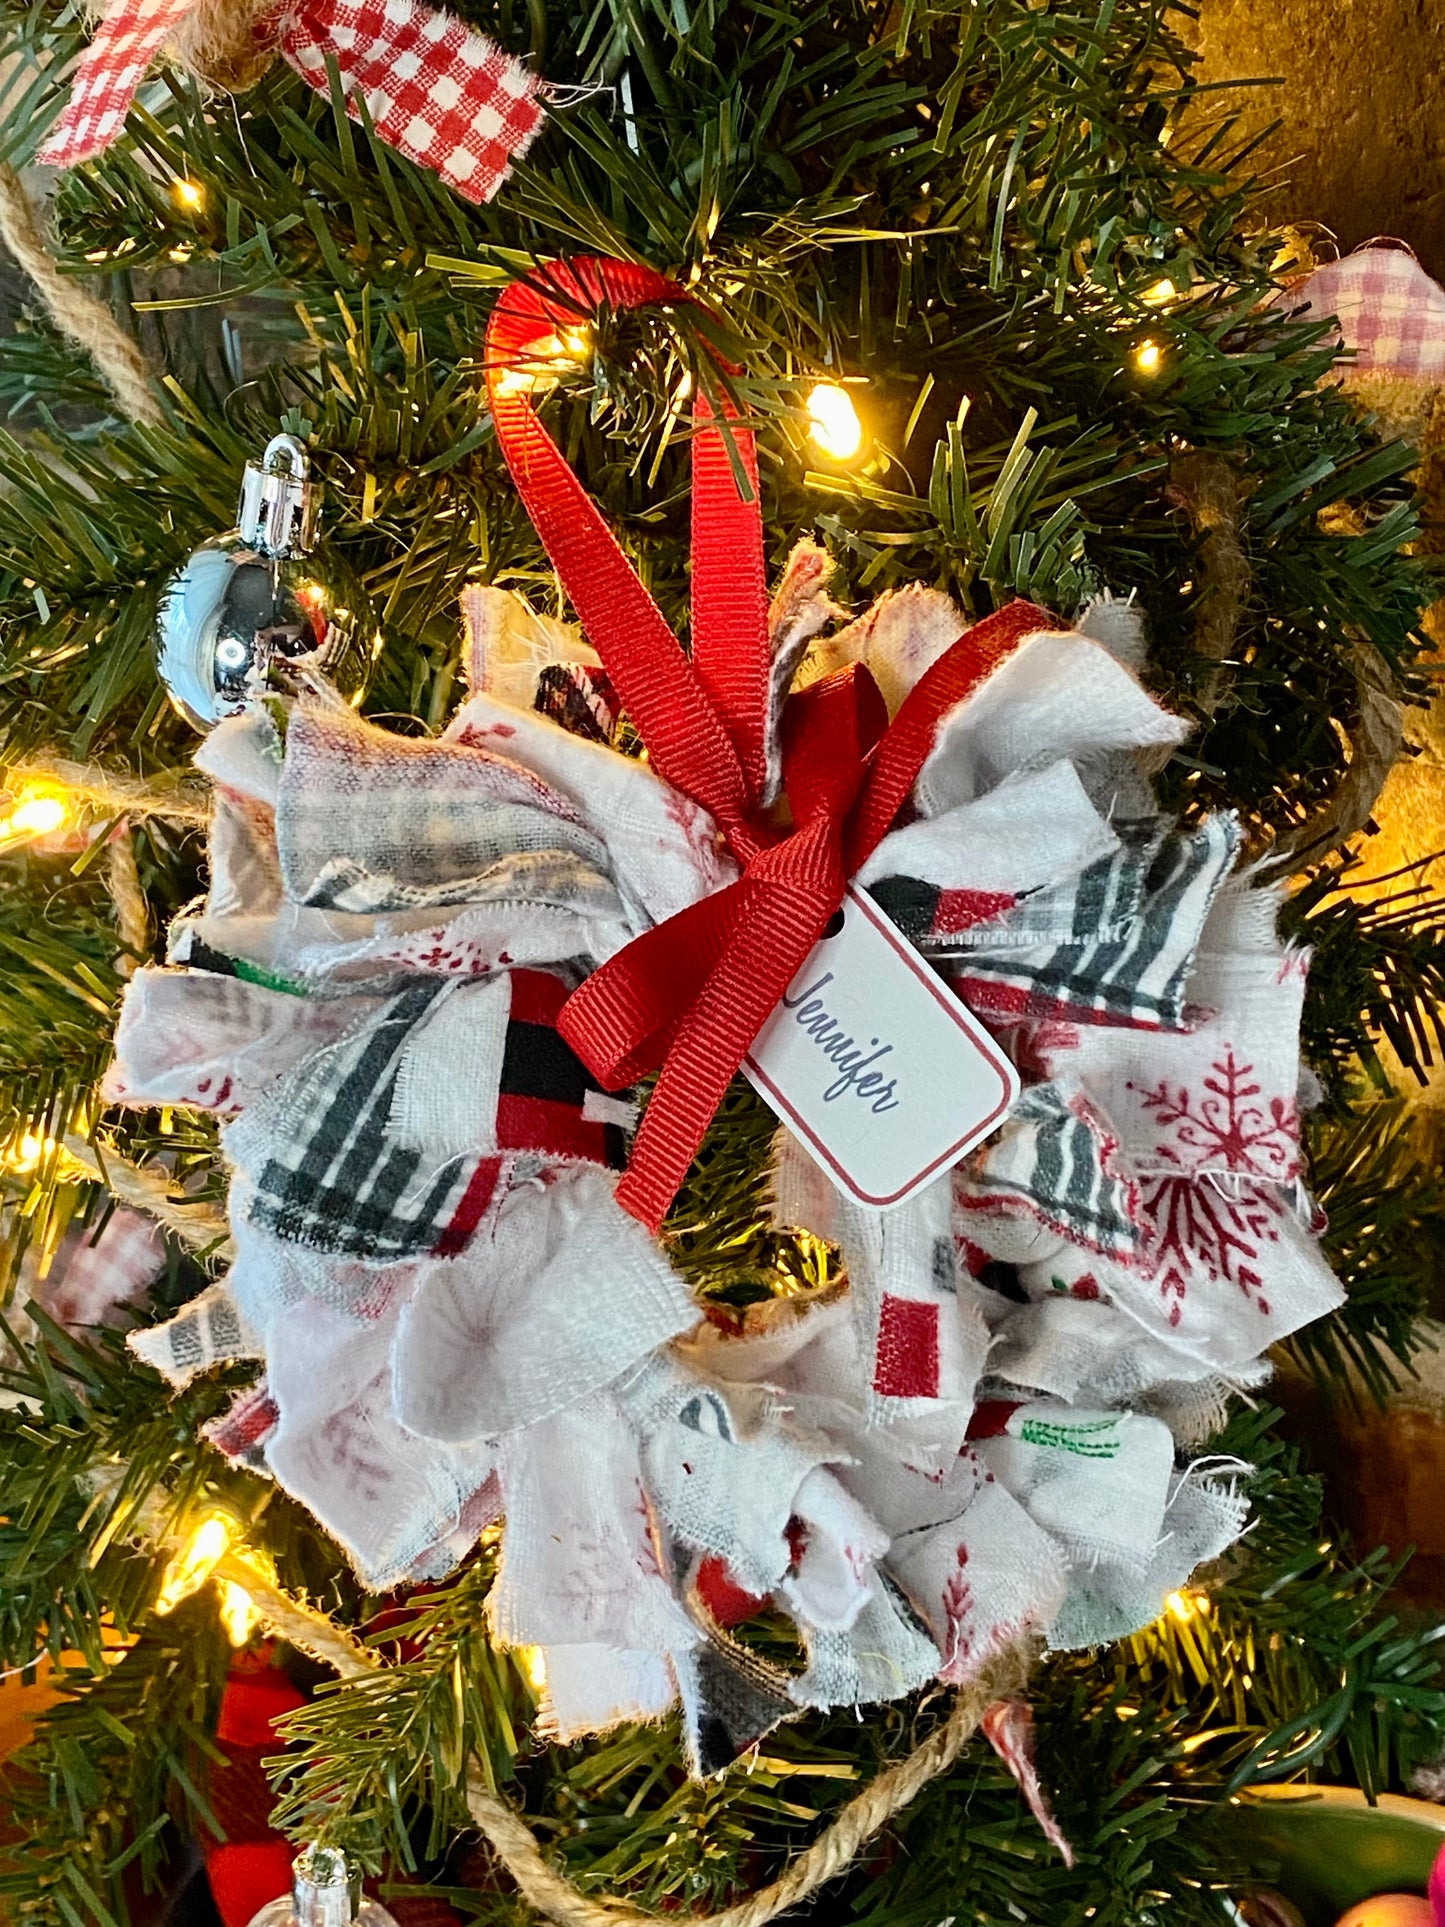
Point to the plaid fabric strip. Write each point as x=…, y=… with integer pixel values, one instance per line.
x=932, y=916
x=1056, y=1161
x=580, y=698
x=543, y=1104
x=443, y=95
x=208, y=1331
x=340, y=1180
x=111, y=69
x=368, y=822
x=96, y=1273
x=241, y=1432
x=1133, y=922
x=1391, y=314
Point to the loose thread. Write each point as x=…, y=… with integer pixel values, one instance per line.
x=77, y=312
x=200, y=1225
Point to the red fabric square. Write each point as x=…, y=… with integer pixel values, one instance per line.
x=907, y=1362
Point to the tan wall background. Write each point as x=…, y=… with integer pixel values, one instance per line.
x=1361, y=147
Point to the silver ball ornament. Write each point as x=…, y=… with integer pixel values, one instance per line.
x=228, y=619
x=248, y=602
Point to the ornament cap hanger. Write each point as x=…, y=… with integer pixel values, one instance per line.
x=277, y=514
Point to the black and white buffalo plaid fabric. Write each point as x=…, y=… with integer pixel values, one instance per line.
x=1113, y=945
x=326, y=1167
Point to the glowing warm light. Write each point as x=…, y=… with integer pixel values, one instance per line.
x=190, y=194
x=195, y=1562
x=834, y=423
x=513, y=382
x=1161, y=292
x=1188, y=1605
x=1148, y=357
x=39, y=810
x=36, y=816
x=573, y=344
x=27, y=1154
x=533, y=1662
x=239, y=1616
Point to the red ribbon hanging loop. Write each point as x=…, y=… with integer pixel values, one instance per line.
x=690, y=995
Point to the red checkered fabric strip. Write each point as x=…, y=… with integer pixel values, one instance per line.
x=126, y=42
x=1391, y=314
x=436, y=91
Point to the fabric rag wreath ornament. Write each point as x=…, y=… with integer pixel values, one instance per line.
x=424, y=966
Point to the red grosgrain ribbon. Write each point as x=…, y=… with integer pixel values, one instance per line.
x=691, y=994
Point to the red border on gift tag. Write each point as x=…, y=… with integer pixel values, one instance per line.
x=959, y=1015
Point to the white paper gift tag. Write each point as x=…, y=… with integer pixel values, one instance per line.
x=875, y=1064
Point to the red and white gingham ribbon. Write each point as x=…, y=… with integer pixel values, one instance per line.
x=438, y=92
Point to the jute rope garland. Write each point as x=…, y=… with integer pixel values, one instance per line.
x=74, y=309
x=132, y=911
x=224, y=44
x=551, y=1893
x=118, y=795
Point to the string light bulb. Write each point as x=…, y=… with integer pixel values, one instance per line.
x=1148, y=357
x=197, y=1559
x=37, y=816
x=571, y=345
x=240, y=1615
x=833, y=421
x=1163, y=290
x=1185, y=1606
x=190, y=194
x=26, y=1156
x=533, y=1662
x=39, y=810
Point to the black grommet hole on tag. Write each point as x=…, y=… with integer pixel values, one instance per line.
x=833, y=926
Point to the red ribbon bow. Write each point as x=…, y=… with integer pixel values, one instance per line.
x=691, y=994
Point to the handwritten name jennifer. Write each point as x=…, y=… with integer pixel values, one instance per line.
x=850, y=1057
